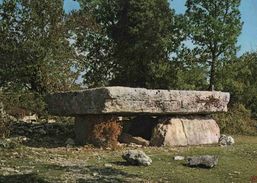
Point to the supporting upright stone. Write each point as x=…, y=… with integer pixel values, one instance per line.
x=99, y=130
x=183, y=131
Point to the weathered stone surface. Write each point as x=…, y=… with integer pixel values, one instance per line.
x=124, y=100
x=226, y=140
x=206, y=161
x=127, y=138
x=182, y=131
x=136, y=157
x=169, y=132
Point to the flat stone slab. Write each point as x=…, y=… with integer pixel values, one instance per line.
x=129, y=101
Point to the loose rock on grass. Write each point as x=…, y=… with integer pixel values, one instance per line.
x=136, y=157
x=178, y=158
x=226, y=140
x=206, y=161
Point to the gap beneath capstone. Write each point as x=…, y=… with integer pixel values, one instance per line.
x=108, y=130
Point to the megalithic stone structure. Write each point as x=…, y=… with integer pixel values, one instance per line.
x=125, y=101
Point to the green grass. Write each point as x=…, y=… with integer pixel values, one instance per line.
x=237, y=163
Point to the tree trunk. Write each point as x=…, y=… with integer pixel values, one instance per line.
x=212, y=74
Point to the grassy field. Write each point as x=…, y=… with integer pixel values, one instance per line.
x=23, y=164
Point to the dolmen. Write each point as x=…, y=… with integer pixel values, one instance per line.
x=182, y=117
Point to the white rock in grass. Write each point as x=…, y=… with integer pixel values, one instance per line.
x=226, y=140
x=179, y=158
x=136, y=157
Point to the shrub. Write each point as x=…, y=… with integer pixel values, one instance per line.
x=21, y=102
x=104, y=131
x=237, y=121
x=4, y=126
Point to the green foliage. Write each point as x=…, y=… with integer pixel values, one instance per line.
x=22, y=99
x=237, y=121
x=239, y=78
x=4, y=123
x=214, y=26
x=193, y=71
x=145, y=36
x=34, y=50
x=137, y=39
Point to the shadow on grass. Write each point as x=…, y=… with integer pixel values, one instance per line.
x=92, y=174
x=109, y=175
x=26, y=178
x=121, y=163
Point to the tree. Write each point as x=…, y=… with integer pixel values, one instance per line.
x=193, y=71
x=239, y=77
x=93, y=47
x=93, y=40
x=142, y=35
x=35, y=52
x=214, y=27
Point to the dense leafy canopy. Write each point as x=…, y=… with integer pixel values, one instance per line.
x=34, y=49
x=137, y=38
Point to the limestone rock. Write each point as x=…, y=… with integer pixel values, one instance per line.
x=125, y=100
x=226, y=140
x=136, y=157
x=182, y=131
x=179, y=158
x=230, y=140
x=127, y=138
x=206, y=161
x=108, y=165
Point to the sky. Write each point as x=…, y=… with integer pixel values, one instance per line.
x=248, y=38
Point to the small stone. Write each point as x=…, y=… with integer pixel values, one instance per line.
x=24, y=139
x=70, y=142
x=236, y=172
x=95, y=174
x=230, y=140
x=127, y=138
x=226, y=140
x=134, y=145
x=205, y=161
x=137, y=157
x=108, y=165
x=179, y=158
x=27, y=171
